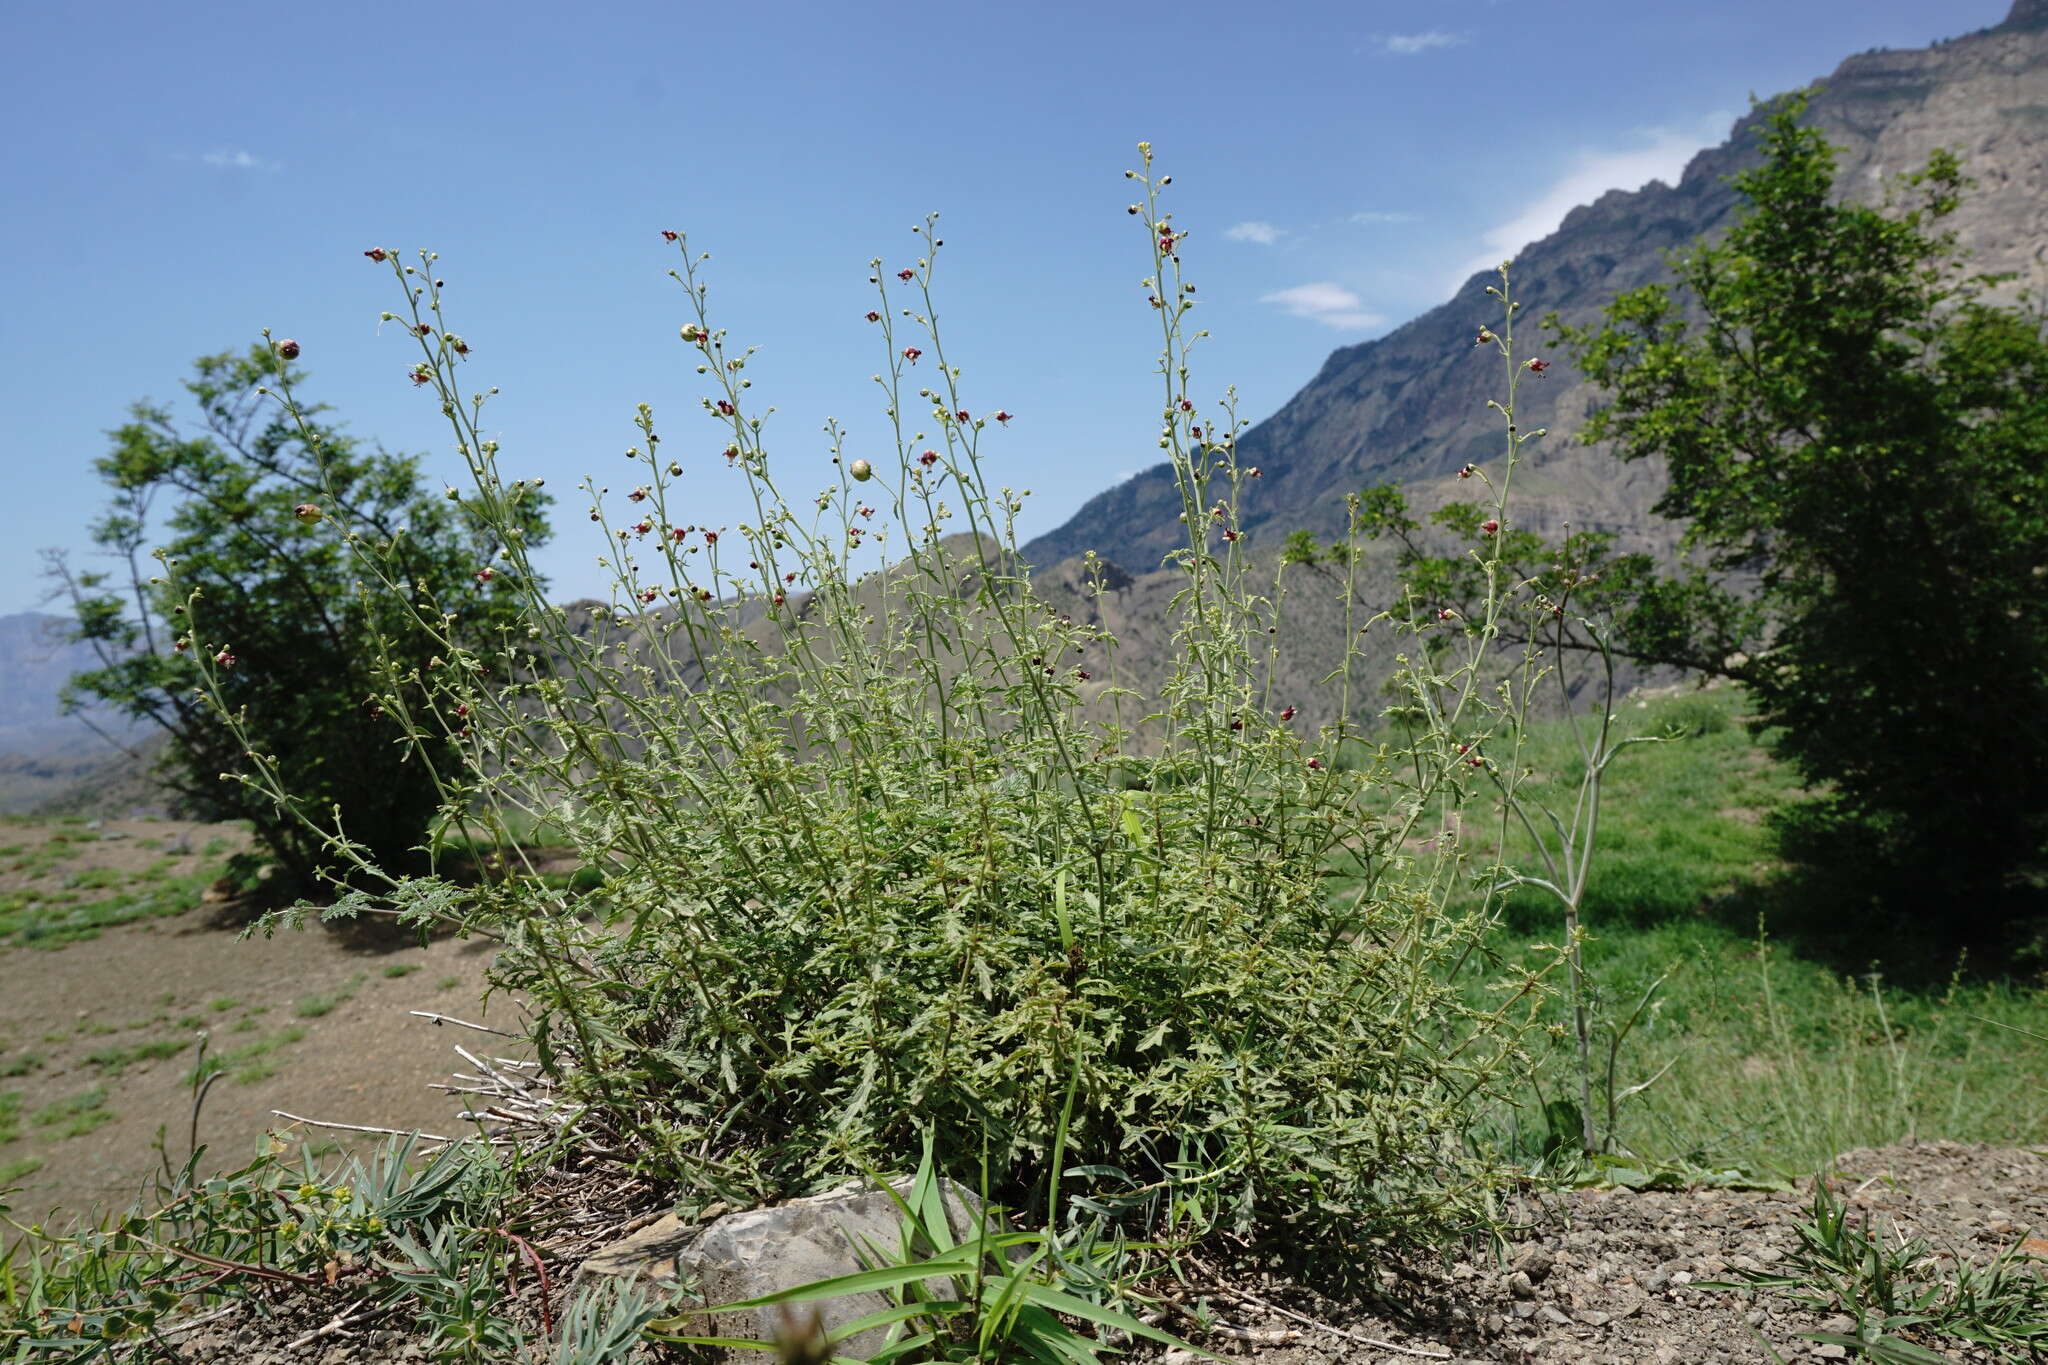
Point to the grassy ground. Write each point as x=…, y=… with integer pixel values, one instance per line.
x=67, y=880
x=1764, y=1052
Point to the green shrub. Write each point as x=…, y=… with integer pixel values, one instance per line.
x=901, y=854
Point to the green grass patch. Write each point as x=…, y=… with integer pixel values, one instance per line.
x=223, y=1004
x=113, y=1060
x=1752, y=1054
x=395, y=970
x=447, y=983
x=314, y=1006
x=252, y=1061
x=46, y=920
x=76, y=1116
x=19, y=1169
x=10, y=1115
x=22, y=1063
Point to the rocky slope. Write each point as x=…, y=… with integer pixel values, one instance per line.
x=1410, y=406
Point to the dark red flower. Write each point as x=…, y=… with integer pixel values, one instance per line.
x=725, y=409
x=711, y=537
x=637, y=495
x=1489, y=526
x=962, y=415
x=288, y=348
x=377, y=253
x=486, y=574
x=1538, y=366
x=1002, y=417
x=1468, y=471
x=226, y=658
x=1287, y=714
x=911, y=353
x=667, y=236
x=1316, y=764
x=929, y=458
x=903, y=275
x=874, y=316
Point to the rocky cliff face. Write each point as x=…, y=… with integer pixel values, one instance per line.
x=1410, y=406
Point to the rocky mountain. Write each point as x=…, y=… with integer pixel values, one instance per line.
x=1409, y=407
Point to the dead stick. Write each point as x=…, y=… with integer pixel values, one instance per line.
x=333, y=1325
x=360, y=1128
x=451, y=1019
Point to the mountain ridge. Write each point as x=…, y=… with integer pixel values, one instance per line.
x=1409, y=406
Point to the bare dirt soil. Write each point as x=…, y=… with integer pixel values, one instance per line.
x=99, y=1037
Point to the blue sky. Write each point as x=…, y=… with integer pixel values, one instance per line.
x=180, y=177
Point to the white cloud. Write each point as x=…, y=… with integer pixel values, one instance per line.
x=1372, y=217
x=1265, y=234
x=1592, y=173
x=1411, y=44
x=1330, y=304
x=235, y=159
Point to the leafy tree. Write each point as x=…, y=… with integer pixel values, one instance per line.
x=1857, y=441
x=279, y=542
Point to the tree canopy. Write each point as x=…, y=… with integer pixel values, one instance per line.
x=277, y=545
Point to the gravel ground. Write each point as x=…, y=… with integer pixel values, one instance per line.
x=1601, y=1277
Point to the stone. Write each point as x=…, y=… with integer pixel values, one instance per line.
x=759, y=1251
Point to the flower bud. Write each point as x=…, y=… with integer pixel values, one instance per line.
x=861, y=470
x=288, y=348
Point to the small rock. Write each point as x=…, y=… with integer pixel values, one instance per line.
x=760, y=1251
x=1830, y=1351
x=1520, y=1286
x=1555, y=1316
x=1524, y=1309
x=1592, y=1317
x=1535, y=1262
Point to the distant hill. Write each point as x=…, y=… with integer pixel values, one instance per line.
x=1409, y=407
x=45, y=756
